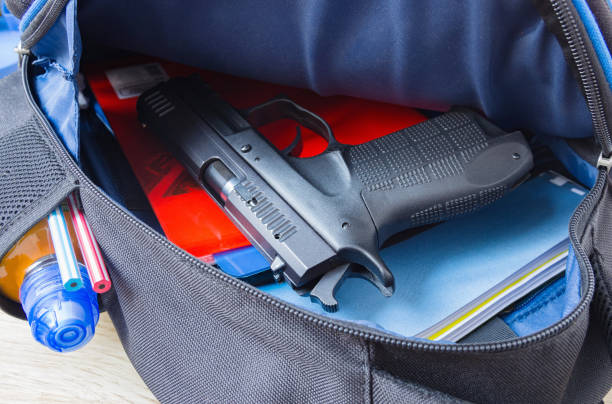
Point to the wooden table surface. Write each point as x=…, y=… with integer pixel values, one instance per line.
x=99, y=372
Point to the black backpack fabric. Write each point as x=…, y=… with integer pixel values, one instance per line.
x=195, y=334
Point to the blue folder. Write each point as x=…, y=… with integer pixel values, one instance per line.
x=442, y=269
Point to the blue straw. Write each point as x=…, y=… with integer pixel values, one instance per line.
x=66, y=259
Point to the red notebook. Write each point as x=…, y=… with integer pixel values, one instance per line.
x=188, y=216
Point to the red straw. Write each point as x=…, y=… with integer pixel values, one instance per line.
x=100, y=281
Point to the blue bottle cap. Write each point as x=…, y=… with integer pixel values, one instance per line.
x=61, y=320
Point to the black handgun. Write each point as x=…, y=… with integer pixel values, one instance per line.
x=317, y=219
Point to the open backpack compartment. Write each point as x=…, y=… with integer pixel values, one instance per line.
x=196, y=334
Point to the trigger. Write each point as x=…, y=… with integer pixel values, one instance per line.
x=323, y=292
x=296, y=141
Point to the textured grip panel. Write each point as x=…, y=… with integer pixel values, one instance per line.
x=456, y=207
x=432, y=151
x=419, y=154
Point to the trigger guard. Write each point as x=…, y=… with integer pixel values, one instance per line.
x=358, y=271
x=296, y=140
x=284, y=108
x=324, y=291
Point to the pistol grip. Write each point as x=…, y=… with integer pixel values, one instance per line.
x=451, y=165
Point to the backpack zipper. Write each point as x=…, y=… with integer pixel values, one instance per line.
x=580, y=56
x=340, y=326
x=595, y=104
x=572, y=34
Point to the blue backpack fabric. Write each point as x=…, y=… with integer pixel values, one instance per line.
x=498, y=57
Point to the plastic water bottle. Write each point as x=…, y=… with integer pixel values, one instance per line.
x=59, y=319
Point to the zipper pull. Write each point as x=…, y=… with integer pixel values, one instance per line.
x=21, y=52
x=604, y=162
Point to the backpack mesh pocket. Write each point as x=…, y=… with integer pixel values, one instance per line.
x=28, y=171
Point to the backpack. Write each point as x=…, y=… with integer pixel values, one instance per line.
x=195, y=334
